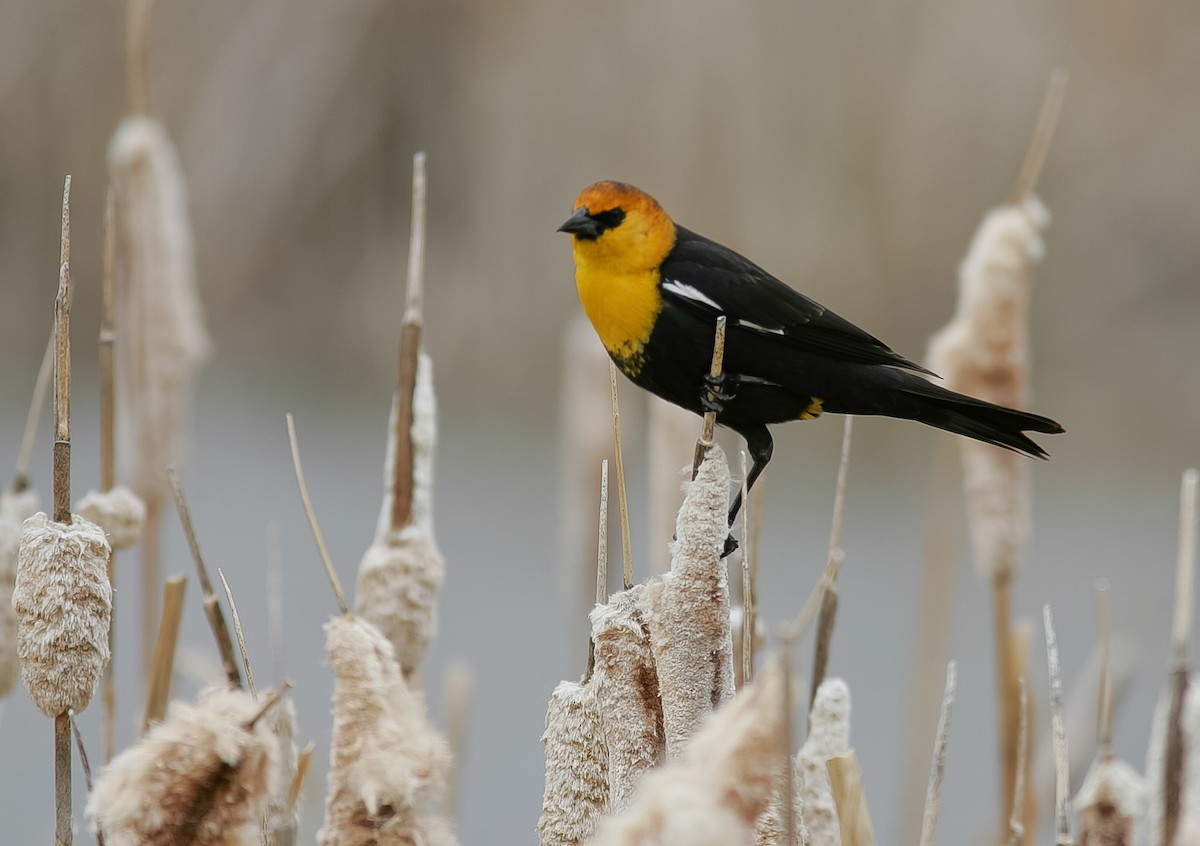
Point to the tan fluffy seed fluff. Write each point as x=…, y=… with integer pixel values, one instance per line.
x=1110, y=804
x=387, y=762
x=719, y=786
x=689, y=627
x=200, y=777
x=626, y=690
x=64, y=607
x=159, y=317
x=402, y=570
x=119, y=511
x=984, y=352
x=576, y=792
x=15, y=509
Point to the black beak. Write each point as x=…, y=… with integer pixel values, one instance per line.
x=582, y=224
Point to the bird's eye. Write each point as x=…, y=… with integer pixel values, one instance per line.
x=609, y=219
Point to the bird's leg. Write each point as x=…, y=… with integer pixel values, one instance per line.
x=760, y=446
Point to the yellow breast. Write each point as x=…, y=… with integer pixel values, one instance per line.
x=622, y=308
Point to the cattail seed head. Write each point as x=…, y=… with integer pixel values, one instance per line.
x=119, y=511
x=64, y=608
x=576, y=793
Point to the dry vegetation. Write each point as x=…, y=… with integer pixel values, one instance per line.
x=670, y=737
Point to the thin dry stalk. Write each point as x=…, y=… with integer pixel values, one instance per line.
x=1104, y=709
x=108, y=454
x=839, y=493
x=626, y=553
x=1062, y=761
x=162, y=668
x=1181, y=629
x=1043, y=135
x=824, y=639
x=137, y=55
x=1013, y=707
x=710, y=417
x=845, y=782
x=749, y=621
x=601, y=565
x=212, y=608
x=829, y=598
x=334, y=581
x=1016, y=825
x=303, y=763
x=937, y=770
x=241, y=638
x=84, y=763
x=410, y=348
x=63, y=834
x=41, y=387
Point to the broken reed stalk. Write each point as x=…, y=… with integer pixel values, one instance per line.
x=845, y=783
x=1181, y=631
x=108, y=454
x=1016, y=825
x=937, y=769
x=62, y=494
x=1062, y=765
x=710, y=417
x=212, y=608
x=33, y=418
x=1043, y=134
x=601, y=566
x=241, y=638
x=626, y=553
x=1104, y=701
x=162, y=668
x=303, y=762
x=410, y=348
x=334, y=581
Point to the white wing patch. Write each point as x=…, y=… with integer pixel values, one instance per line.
x=747, y=324
x=690, y=293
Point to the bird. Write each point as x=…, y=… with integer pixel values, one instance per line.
x=654, y=290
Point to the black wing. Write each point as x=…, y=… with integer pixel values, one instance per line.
x=699, y=274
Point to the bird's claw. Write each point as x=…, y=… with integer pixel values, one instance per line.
x=731, y=546
x=717, y=392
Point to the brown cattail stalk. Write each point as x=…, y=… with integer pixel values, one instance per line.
x=212, y=608
x=689, y=626
x=937, y=770
x=158, y=317
x=386, y=762
x=576, y=792
x=719, y=787
x=162, y=666
x=202, y=777
x=626, y=690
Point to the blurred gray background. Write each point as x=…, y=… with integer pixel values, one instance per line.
x=850, y=148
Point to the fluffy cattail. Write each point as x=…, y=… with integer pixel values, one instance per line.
x=281, y=817
x=201, y=777
x=719, y=786
x=387, y=762
x=15, y=509
x=1110, y=804
x=626, y=690
x=770, y=829
x=64, y=607
x=984, y=352
x=689, y=626
x=402, y=570
x=119, y=511
x=576, y=793
x=828, y=735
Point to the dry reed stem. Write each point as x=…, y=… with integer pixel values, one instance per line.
x=108, y=471
x=84, y=763
x=323, y=551
x=626, y=554
x=1016, y=817
x=749, y=622
x=33, y=417
x=689, y=625
x=577, y=790
x=669, y=438
x=845, y=783
x=1013, y=707
x=401, y=572
x=1043, y=135
x=937, y=769
x=601, y=565
x=410, y=345
x=1104, y=699
x=716, y=791
x=15, y=509
x=626, y=689
x=1110, y=804
x=303, y=762
x=459, y=685
x=63, y=829
x=137, y=55
x=387, y=764
x=710, y=417
x=1181, y=627
x=1062, y=760
x=827, y=615
x=62, y=369
x=212, y=608
x=201, y=777
x=241, y=638
x=162, y=668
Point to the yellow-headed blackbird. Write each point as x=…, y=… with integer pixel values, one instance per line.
x=653, y=291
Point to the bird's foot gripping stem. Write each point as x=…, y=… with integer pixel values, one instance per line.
x=731, y=546
x=717, y=392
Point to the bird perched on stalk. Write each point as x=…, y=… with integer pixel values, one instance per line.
x=654, y=290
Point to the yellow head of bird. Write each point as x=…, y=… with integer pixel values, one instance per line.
x=620, y=228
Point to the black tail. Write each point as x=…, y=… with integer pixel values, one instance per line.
x=983, y=421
